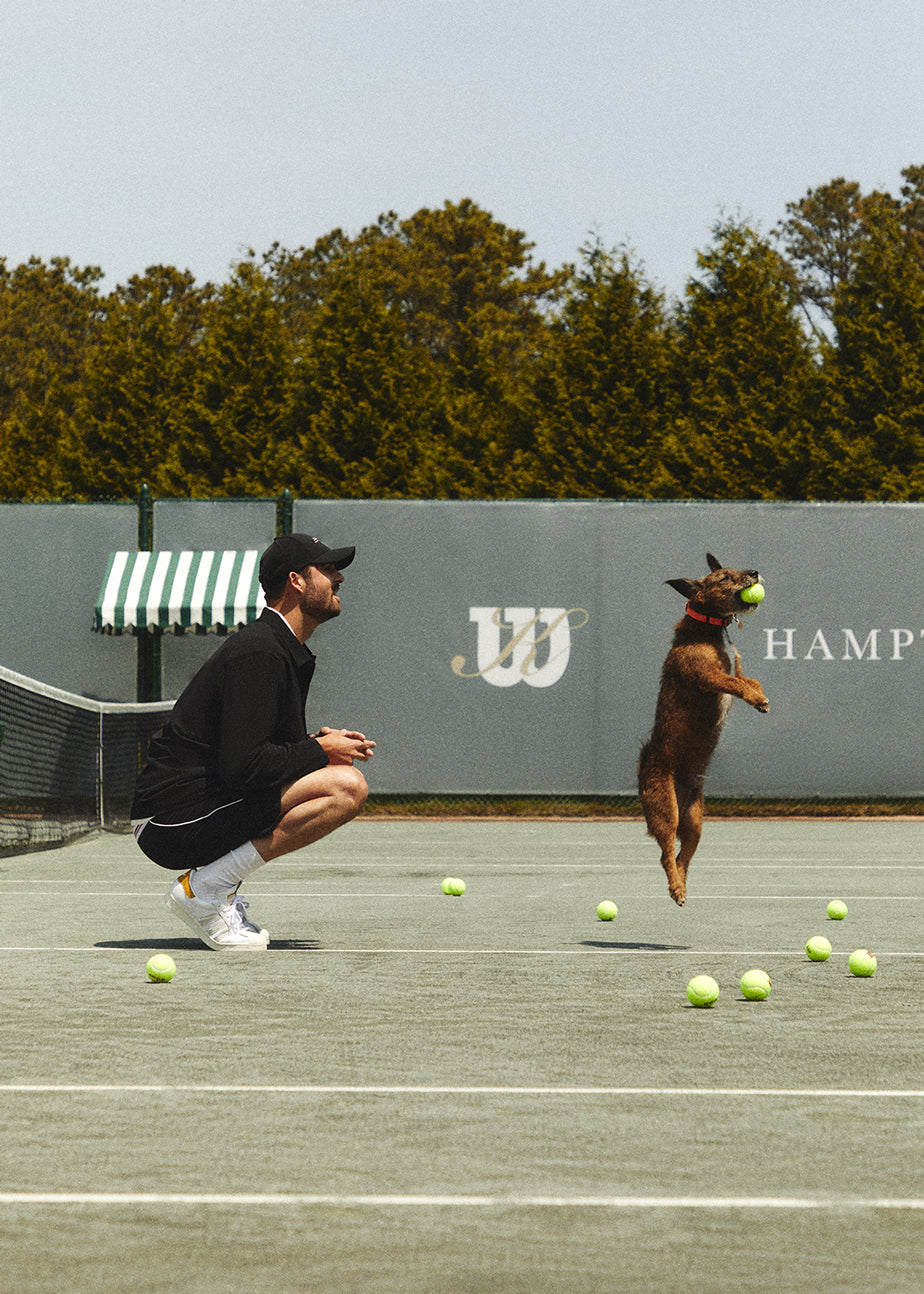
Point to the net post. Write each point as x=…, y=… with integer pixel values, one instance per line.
x=100, y=790
x=149, y=674
x=149, y=677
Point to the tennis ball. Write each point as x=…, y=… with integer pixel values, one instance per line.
x=607, y=911
x=861, y=962
x=818, y=949
x=161, y=969
x=837, y=910
x=702, y=990
x=755, y=985
x=452, y=885
x=754, y=594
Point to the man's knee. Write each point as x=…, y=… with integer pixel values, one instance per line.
x=351, y=788
x=339, y=788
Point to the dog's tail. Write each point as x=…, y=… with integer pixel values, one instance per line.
x=644, y=762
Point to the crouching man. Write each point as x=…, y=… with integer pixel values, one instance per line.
x=233, y=780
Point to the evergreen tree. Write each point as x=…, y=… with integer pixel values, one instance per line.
x=48, y=319
x=365, y=400
x=475, y=299
x=875, y=371
x=744, y=377
x=133, y=406
x=461, y=293
x=241, y=398
x=603, y=385
x=822, y=238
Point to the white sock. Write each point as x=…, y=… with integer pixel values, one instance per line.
x=226, y=873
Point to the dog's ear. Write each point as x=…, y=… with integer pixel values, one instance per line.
x=714, y=563
x=686, y=587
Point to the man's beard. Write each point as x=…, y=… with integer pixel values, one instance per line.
x=321, y=611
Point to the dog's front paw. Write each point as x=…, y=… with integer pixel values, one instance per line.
x=763, y=706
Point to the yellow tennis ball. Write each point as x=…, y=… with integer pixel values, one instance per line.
x=837, y=910
x=753, y=595
x=818, y=949
x=607, y=911
x=702, y=990
x=755, y=985
x=452, y=885
x=161, y=969
x=862, y=962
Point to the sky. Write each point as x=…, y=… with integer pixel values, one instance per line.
x=187, y=133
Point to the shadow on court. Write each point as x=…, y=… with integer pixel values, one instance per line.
x=611, y=945
x=180, y=945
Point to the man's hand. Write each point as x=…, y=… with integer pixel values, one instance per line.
x=342, y=746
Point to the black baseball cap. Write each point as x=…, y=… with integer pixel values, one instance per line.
x=294, y=553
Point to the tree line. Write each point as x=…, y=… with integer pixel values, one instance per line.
x=431, y=357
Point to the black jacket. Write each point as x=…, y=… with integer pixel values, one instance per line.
x=238, y=728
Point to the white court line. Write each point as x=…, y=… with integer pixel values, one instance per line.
x=588, y=952
x=499, y=868
x=269, y=892
x=793, y=863
x=422, y=1089
x=266, y=889
x=297, y=1200
x=599, y=951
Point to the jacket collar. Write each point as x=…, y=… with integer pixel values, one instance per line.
x=283, y=632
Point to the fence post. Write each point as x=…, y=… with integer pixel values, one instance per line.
x=149, y=678
x=284, y=513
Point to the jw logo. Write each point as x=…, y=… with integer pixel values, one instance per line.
x=521, y=644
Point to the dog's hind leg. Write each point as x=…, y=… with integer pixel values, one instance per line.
x=689, y=827
x=659, y=802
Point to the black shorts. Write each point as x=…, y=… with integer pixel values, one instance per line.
x=181, y=845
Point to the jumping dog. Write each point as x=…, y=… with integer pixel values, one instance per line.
x=697, y=690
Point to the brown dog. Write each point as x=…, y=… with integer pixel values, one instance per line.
x=697, y=689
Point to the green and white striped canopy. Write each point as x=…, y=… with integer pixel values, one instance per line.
x=179, y=591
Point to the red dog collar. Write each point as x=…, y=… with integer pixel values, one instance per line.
x=721, y=621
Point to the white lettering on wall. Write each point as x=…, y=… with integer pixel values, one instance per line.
x=815, y=645
x=819, y=644
x=901, y=638
x=785, y=643
x=851, y=645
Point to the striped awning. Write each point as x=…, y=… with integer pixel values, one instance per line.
x=179, y=591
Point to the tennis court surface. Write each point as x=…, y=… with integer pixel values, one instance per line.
x=497, y=1092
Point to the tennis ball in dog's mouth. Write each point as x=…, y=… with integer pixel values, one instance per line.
x=818, y=949
x=837, y=910
x=702, y=990
x=862, y=962
x=754, y=594
x=607, y=911
x=755, y=985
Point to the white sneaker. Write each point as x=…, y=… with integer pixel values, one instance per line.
x=219, y=922
x=242, y=907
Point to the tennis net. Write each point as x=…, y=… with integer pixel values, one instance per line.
x=68, y=764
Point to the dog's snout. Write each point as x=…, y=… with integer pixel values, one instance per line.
x=754, y=575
